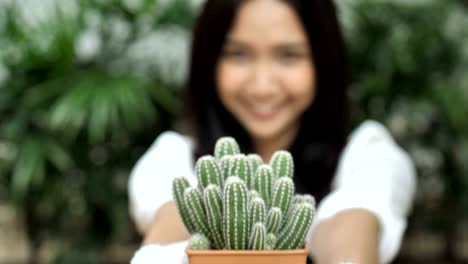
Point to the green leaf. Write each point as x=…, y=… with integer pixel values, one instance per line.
x=30, y=165
x=57, y=155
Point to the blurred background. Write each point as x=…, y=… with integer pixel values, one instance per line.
x=87, y=85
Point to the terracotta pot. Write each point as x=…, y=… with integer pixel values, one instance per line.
x=297, y=256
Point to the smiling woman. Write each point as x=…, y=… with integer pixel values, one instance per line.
x=272, y=74
x=266, y=78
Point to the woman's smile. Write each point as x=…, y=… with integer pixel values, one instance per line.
x=265, y=112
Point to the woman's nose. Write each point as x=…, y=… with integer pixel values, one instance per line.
x=262, y=81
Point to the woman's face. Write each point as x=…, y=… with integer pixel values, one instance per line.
x=265, y=75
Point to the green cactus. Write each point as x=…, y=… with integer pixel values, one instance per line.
x=263, y=183
x=307, y=198
x=282, y=164
x=293, y=234
x=196, y=208
x=258, y=237
x=241, y=203
x=257, y=211
x=252, y=195
x=255, y=161
x=240, y=167
x=214, y=210
x=235, y=222
x=271, y=241
x=226, y=146
x=199, y=242
x=225, y=165
x=298, y=199
x=208, y=172
x=274, y=220
x=283, y=194
x=179, y=185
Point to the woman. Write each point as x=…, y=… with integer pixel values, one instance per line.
x=272, y=74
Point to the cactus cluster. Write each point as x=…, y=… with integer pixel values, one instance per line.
x=241, y=203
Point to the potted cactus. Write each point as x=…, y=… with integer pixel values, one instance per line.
x=244, y=211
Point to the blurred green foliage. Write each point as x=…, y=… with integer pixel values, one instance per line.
x=86, y=86
x=409, y=64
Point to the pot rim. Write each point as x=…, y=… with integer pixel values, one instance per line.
x=246, y=252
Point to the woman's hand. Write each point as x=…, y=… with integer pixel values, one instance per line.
x=352, y=235
x=167, y=227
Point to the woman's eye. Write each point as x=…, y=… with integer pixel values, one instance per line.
x=235, y=54
x=289, y=56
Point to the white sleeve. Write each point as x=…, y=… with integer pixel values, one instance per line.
x=375, y=174
x=150, y=183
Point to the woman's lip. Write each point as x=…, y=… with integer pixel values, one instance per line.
x=265, y=114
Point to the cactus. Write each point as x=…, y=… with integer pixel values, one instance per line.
x=271, y=241
x=179, y=185
x=274, y=220
x=241, y=203
x=208, y=172
x=257, y=211
x=252, y=195
x=283, y=194
x=240, y=167
x=225, y=165
x=214, y=209
x=263, y=183
x=255, y=161
x=282, y=164
x=298, y=199
x=235, y=222
x=226, y=146
x=307, y=198
x=258, y=237
x=199, y=242
x=196, y=208
x=293, y=234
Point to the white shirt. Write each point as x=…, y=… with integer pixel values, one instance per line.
x=373, y=173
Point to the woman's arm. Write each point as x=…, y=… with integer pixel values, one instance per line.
x=150, y=185
x=363, y=218
x=167, y=227
x=352, y=235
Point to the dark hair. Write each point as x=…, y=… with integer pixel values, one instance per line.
x=323, y=127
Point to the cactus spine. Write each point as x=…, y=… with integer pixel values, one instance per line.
x=225, y=165
x=255, y=161
x=263, y=182
x=199, y=242
x=257, y=211
x=293, y=234
x=271, y=241
x=307, y=198
x=194, y=201
x=235, y=223
x=214, y=209
x=282, y=164
x=240, y=167
x=253, y=194
x=283, y=194
x=208, y=171
x=179, y=185
x=226, y=146
x=274, y=220
x=258, y=237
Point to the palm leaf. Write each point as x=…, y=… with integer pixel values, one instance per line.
x=28, y=169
